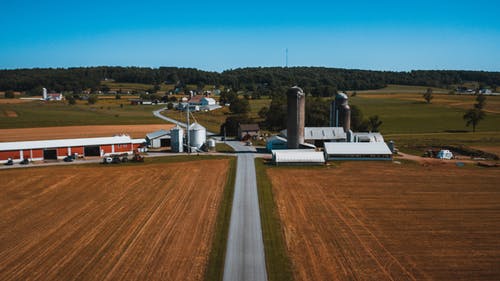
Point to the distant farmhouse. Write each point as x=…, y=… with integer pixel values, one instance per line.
x=51, y=96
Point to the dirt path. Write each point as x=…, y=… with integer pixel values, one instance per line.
x=149, y=222
x=45, y=133
x=382, y=221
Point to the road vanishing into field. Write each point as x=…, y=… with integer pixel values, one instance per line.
x=245, y=259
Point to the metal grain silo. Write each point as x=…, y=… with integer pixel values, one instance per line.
x=197, y=135
x=296, y=103
x=176, y=142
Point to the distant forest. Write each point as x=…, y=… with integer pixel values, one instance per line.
x=319, y=81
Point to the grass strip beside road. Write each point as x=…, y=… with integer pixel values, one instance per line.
x=278, y=262
x=215, y=266
x=223, y=147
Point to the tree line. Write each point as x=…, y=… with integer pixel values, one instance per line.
x=319, y=81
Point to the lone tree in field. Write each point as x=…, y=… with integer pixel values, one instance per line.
x=480, y=102
x=428, y=95
x=473, y=116
x=374, y=123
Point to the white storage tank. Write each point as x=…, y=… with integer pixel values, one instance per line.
x=177, y=135
x=197, y=135
x=211, y=144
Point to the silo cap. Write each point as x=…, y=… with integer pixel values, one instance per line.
x=295, y=91
x=341, y=96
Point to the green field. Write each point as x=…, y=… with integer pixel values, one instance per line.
x=104, y=112
x=278, y=262
x=413, y=124
x=401, y=115
x=211, y=120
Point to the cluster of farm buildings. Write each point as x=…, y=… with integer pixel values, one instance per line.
x=295, y=145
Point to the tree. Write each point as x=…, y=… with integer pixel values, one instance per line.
x=374, y=123
x=263, y=112
x=9, y=94
x=428, y=95
x=118, y=96
x=71, y=99
x=480, y=101
x=92, y=99
x=240, y=106
x=473, y=116
x=170, y=105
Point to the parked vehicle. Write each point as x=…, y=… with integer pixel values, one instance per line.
x=68, y=159
x=9, y=162
x=445, y=154
x=107, y=160
x=25, y=161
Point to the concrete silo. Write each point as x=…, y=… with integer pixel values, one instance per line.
x=177, y=136
x=296, y=103
x=340, y=112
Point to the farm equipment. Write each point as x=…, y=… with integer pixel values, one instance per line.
x=116, y=159
x=137, y=157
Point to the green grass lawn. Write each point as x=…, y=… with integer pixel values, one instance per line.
x=278, y=263
x=215, y=266
x=412, y=116
x=211, y=120
x=104, y=112
x=393, y=89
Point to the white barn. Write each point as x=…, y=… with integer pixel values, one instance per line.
x=357, y=151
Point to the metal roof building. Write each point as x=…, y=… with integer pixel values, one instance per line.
x=368, y=137
x=321, y=133
x=57, y=149
x=160, y=138
x=357, y=151
x=298, y=157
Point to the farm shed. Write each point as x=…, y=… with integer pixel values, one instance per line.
x=357, y=151
x=368, y=137
x=298, y=157
x=160, y=138
x=58, y=149
x=207, y=101
x=246, y=131
x=276, y=142
x=320, y=135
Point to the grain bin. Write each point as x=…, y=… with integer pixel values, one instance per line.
x=296, y=102
x=177, y=135
x=211, y=145
x=197, y=135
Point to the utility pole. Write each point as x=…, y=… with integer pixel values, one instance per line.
x=286, y=57
x=187, y=130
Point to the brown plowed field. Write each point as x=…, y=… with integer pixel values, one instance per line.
x=150, y=222
x=383, y=221
x=46, y=133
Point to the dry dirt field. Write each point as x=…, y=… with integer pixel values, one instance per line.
x=149, y=222
x=383, y=221
x=45, y=133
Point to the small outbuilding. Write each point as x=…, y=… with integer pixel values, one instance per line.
x=158, y=139
x=207, y=101
x=357, y=151
x=246, y=131
x=368, y=137
x=276, y=142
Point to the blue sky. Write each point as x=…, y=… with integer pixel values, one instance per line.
x=219, y=35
